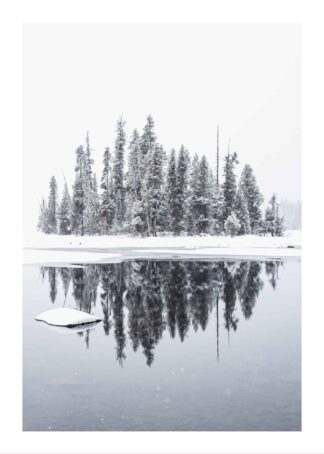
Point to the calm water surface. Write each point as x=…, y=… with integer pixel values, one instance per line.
x=184, y=345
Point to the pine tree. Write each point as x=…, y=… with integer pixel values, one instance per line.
x=91, y=212
x=52, y=206
x=79, y=195
x=232, y=225
x=280, y=227
x=153, y=189
x=164, y=219
x=273, y=223
x=193, y=184
x=118, y=176
x=217, y=202
x=134, y=186
x=242, y=213
x=43, y=218
x=180, y=220
x=229, y=185
x=200, y=199
x=217, y=159
x=64, y=214
x=106, y=198
x=88, y=162
x=91, y=205
x=148, y=139
x=188, y=194
x=172, y=190
x=270, y=216
x=147, y=144
x=253, y=197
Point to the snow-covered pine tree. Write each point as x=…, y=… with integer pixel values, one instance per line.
x=118, y=176
x=216, y=202
x=217, y=159
x=180, y=220
x=107, y=208
x=193, y=184
x=153, y=188
x=280, y=227
x=232, y=225
x=273, y=223
x=270, y=217
x=78, y=198
x=172, y=198
x=164, y=219
x=147, y=144
x=134, y=187
x=64, y=214
x=88, y=162
x=187, y=202
x=148, y=139
x=43, y=218
x=242, y=213
x=229, y=185
x=52, y=206
x=201, y=206
x=92, y=208
x=253, y=197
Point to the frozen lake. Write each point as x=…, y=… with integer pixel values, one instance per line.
x=184, y=345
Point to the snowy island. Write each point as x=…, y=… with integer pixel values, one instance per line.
x=157, y=204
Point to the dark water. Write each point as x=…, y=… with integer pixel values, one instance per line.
x=184, y=345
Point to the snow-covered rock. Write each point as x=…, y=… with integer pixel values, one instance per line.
x=64, y=316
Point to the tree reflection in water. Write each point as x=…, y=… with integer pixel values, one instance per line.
x=143, y=298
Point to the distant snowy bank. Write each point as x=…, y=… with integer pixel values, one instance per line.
x=62, y=249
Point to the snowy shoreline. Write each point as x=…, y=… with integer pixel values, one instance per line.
x=59, y=249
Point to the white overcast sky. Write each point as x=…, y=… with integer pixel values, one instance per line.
x=245, y=77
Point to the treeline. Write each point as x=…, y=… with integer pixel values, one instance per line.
x=156, y=193
x=142, y=299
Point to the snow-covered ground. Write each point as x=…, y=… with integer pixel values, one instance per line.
x=59, y=249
